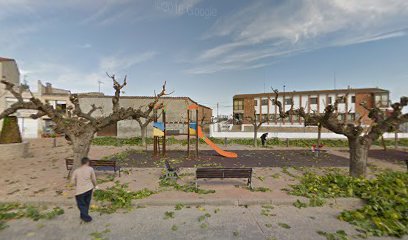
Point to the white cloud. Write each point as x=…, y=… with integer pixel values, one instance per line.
x=122, y=62
x=264, y=30
x=70, y=77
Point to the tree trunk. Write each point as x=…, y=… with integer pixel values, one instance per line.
x=255, y=137
x=80, y=146
x=358, y=156
x=319, y=136
x=143, y=134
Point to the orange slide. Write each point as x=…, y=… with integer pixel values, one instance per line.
x=215, y=147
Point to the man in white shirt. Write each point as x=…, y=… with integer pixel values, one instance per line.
x=85, y=181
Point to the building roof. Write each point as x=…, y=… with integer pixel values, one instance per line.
x=87, y=95
x=312, y=92
x=2, y=59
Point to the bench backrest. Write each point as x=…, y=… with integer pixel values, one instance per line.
x=70, y=161
x=224, y=172
x=102, y=163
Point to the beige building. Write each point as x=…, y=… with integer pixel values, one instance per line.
x=176, y=107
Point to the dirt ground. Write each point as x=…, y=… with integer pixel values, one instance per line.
x=41, y=177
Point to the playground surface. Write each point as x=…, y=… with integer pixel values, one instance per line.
x=391, y=155
x=246, y=158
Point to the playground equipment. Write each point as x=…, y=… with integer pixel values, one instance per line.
x=215, y=147
x=159, y=135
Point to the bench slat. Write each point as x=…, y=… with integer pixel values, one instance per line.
x=224, y=173
x=102, y=165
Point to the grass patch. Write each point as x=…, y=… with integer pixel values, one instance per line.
x=179, y=206
x=266, y=210
x=168, y=215
x=299, y=204
x=99, y=235
x=338, y=235
x=109, y=178
x=260, y=189
x=284, y=225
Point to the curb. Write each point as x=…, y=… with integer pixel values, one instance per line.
x=207, y=202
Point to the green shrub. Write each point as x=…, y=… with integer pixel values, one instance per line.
x=307, y=143
x=118, y=197
x=386, y=199
x=15, y=210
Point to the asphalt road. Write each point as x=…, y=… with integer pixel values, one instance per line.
x=225, y=222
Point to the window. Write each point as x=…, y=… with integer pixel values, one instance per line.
x=48, y=126
x=381, y=100
x=264, y=102
x=288, y=101
x=239, y=104
x=256, y=117
x=255, y=102
x=238, y=118
x=351, y=117
x=330, y=100
x=58, y=105
x=313, y=100
x=341, y=99
x=341, y=116
x=61, y=106
x=353, y=99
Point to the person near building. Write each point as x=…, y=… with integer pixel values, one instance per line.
x=263, y=139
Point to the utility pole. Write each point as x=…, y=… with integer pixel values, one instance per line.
x=218, y=114
x=99, y=86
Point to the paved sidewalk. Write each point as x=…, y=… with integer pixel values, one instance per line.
x=196, y=222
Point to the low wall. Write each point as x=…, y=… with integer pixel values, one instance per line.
x=297, y=135
x=13, y=150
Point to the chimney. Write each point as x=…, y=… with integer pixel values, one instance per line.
x=48, y=87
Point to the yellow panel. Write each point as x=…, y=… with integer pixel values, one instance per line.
x=157, y=132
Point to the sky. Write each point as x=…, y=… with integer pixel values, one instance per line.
x=209, y=50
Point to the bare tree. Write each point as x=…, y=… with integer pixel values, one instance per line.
x=143, y=128
x=360, y=138
x=80, y=127
x=256, y=123
x=144, y=123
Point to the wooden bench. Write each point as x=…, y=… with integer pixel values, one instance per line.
x=99, y=165
x=225, y=173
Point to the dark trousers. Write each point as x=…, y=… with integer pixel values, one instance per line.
x=83, y=201
x=263, y=141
